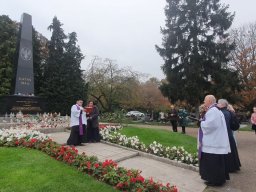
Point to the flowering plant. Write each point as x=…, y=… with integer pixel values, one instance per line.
x=39, y=121
x=107, y=171
x=110, y=134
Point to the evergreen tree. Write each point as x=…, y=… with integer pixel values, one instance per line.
x=195, y=50
x=63, y=81
x=75, y=85
x=8, y=40
x=40, y=51
x=54, y=87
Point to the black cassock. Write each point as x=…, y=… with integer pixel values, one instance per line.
x=232, y=159
x=92, y=134
x=75, y=138
x=212, y=168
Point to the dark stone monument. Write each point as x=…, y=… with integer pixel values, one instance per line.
x=23, y=99
x=25, y=76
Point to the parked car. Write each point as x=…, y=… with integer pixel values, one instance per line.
x=134, y=114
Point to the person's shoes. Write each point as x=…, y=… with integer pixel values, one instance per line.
x=212, y=184
x=208, y=183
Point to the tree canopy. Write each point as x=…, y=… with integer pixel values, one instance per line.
x=195, y=50
x=63, y=82
x=8, y=38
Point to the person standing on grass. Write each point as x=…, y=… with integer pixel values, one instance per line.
x=183, y=122
x=173, y=116
x=253, y=119
x=214, y=145
x=78, y=124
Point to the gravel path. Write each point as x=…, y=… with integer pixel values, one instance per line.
x=245, y=179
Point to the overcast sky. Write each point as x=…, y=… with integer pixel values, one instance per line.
x=123, y=30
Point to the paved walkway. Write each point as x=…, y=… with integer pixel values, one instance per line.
x=186, y=180
x=242, y=181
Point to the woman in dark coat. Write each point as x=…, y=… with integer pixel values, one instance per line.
x=232, y=161
x=93, y=124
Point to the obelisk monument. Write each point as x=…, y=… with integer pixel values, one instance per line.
x=25, y=76
x=23, y=98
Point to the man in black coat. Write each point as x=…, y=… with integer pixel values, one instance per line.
x=232, y=160
x=173, y=116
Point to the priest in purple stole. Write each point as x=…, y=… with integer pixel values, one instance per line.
x=78, y=124
x=214, y=145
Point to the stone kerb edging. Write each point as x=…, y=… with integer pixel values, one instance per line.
x=151, y=156
x=52, y=130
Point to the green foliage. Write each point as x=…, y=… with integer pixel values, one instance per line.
x=8, y=38
x=63, y=82
x=30, y=170
x=196, y=47
x=116, y=117
x=39, y=58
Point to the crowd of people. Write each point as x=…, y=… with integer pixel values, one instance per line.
x=84, y=124
x=217, y=147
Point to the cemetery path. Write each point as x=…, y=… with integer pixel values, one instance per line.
x=242, y=181
x=186, y=180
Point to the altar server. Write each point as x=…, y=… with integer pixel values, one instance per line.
x=78, y=124
x=214, y=145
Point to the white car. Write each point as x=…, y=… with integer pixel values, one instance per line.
x=135, y=114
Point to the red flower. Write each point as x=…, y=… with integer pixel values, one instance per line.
x=175, y=189
x=33, y=140
x=140, y=178
x=101, y=126
x=96, y=165
x=17, y=142
x=88, y=164
x=133, y=180
x=119, y=185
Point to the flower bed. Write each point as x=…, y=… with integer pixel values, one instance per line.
x=107, y=171
x=36, y=122
x=109, y=133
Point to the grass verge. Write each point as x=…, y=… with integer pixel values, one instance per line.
x=164, y=137
x=33, y=171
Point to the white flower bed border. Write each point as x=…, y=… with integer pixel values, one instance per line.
x=110, y=134
x=13, y=134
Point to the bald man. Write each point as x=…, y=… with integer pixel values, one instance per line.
x=214, y=145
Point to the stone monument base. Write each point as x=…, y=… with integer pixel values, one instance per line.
x=25, y=104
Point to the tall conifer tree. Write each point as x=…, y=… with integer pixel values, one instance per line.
x=8, y=41
x=54, y=87
x=63, y=81
x=195, y=50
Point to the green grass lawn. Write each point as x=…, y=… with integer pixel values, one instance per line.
x=31, y=170
x=248, y=127
x=166, y=138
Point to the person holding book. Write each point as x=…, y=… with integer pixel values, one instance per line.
x=93, y=134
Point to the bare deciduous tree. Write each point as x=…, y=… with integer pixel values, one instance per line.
x=243, y=59
x=112, y=86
